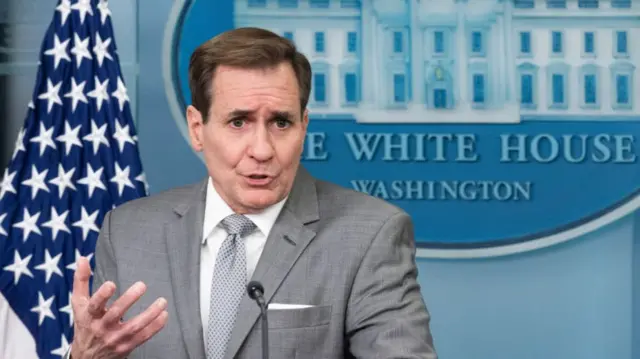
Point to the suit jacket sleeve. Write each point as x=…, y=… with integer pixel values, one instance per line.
x=386, y=315
x=105, y=262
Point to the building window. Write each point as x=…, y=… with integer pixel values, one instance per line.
x=319, y=3
x=288, y=4
x=590, y=96
x=320, y=88
x=351, y=87
x=525, y=43
x=257, y=3
x=621, y=46
x=288, y=35
x=478, y=88
x=438, y=42
x=351, y=4
x=589, y=43
x=590, y=89
x=588, y=4
x=622, y=73
x=622, y=89
x=620, y=4
x=476, y=42
x=556, y=42
x=528, y=74
x=556, y=4
x=558, y=89
x=397, y=42
x=352, y=42
x=558, y=75
x=524, y=4
x=399, y=88
x=319, y=42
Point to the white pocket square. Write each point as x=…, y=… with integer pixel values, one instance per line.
x=285, y=306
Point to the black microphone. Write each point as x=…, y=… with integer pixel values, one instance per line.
x=256, y=292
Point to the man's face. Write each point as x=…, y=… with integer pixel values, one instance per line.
x=253, y=140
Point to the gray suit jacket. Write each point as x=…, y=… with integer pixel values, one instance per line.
x=348, y=254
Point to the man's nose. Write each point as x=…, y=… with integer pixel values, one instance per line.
x=261, y=146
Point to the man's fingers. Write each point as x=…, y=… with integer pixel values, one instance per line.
x=81, y=279
x=122, y=304
x=98, y=301
x=142, y=320
x=147, y=332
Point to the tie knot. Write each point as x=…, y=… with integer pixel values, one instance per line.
x=238, y=224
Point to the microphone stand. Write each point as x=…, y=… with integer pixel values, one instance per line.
x=256, y=292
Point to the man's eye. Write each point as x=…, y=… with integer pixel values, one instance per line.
x=281, y=123
x=237, y=123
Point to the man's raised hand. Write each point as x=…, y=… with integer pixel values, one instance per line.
x=98, y=331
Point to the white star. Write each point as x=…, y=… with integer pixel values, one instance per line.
x=97, y=136
x=6, y=185
x=51, y=96
x=31, y=105
x=70, y=137
x=104, y=11
x=99, y=92
x=83, y=7
x=65, y=9
x=44, y=138
x=73, y=266
x=63, y=181
x=36, y=182
x=19, y=146
x=121, y=94
x=58, y=51
x=44, y=308
x=2, y=230
x=122, y=136
x=19, y=267
x=29, y=224
x=68, y=308
x=80, y=49
x=101, y=49
x=50, y=265
x=64, y=347
x=122, y=179
x=57, y=223
x=143, y=179
x=93, y=179
x=87, y=223
x=76, y=93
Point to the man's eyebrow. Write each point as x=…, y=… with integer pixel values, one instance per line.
x=284, y=115
x=238, y=113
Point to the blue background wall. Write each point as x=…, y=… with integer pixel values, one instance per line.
x=576, y=300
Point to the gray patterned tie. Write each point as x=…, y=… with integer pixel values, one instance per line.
x=228, y=284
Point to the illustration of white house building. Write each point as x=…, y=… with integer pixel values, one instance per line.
x=458, y=61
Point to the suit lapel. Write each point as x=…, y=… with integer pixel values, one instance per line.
x=184, y=236
x=287, y=240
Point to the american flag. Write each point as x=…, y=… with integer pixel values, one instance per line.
x=75, y=158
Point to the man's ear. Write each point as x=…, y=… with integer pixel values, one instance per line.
x=305, y=119
x=195, y=124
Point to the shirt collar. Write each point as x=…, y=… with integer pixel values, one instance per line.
x=216, y=209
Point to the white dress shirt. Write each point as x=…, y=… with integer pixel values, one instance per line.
x=213, y=235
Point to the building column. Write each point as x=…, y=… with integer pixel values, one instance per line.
x=417, y=54
x=461, y=55
x=502, y=61
x=367, y=53
x=510, y=67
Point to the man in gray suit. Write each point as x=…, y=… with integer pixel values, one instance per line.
x=338, y=266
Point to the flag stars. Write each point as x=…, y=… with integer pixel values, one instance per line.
x=19, y=146
x=142, y=178
x=6, y=185
x=50, y=265
x=36, y=182
x=3, y=232
x=122, y=135
x=93, y=181
x=101, y=49
x=63, y=180
x=64, y=347
x=103, y=7
x=57, y=223
x=87, y=223
x=83, y=7
x=19, y=267
x=76, y=94
x=80, y=49
x=58, y=51
x=65, y=10
x=44, y=308
x=73, y=266
x=44, y=138
x=121, y=94
x=97, y=136
x=68, y=309
x=70, y=137
x=99, y=92
x=122, y=179
x=29, y=224
x=51, y=96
